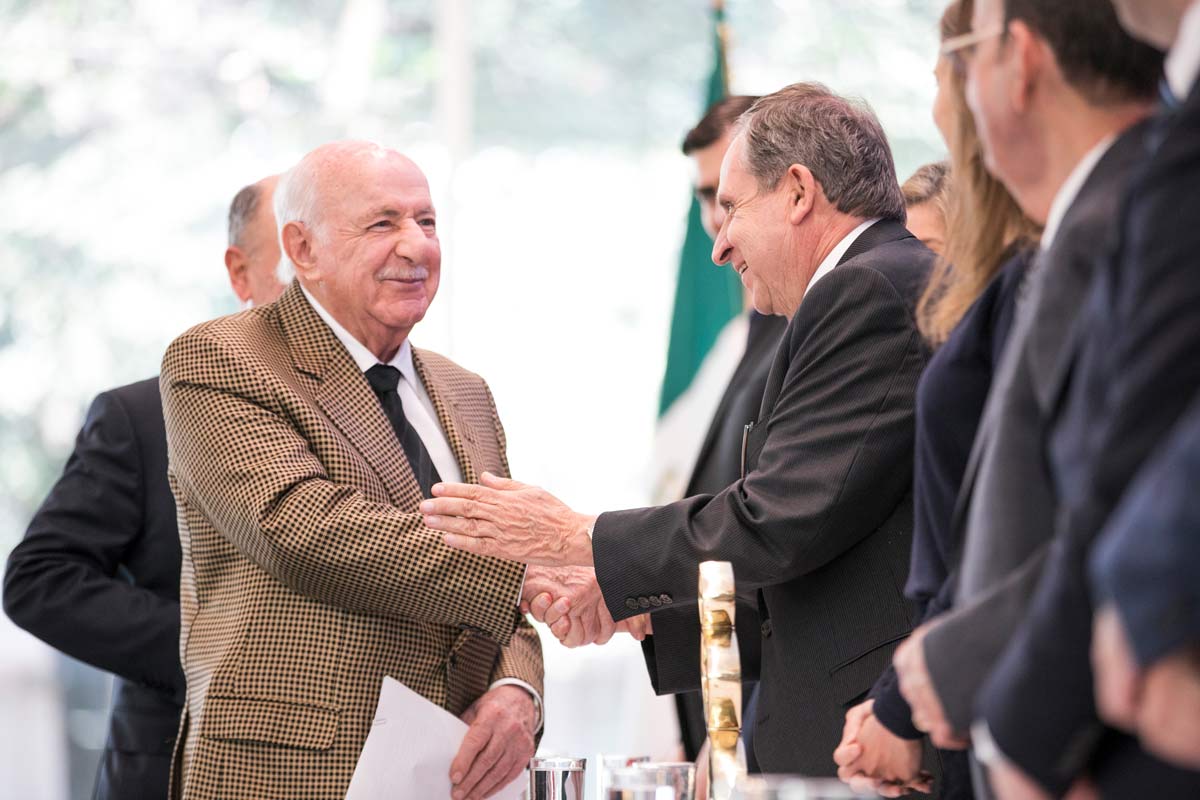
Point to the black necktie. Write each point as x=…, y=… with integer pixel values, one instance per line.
x=384, y=380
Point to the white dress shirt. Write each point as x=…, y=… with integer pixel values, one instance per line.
x=1183, y=62
x=835, y=255
x=420, y=413
x=1064, y=198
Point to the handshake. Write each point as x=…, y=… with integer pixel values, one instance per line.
x=503, y=518
x=568, y=599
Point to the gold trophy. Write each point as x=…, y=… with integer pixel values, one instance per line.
x=721, y=678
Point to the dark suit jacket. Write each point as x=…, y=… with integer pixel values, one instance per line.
x=719, y=465
x=1147, y=560
x=97, y=576
x=1137, y=372
x=822, y=521
x=1008, y=502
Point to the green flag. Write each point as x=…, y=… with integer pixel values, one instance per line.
x=706, y=297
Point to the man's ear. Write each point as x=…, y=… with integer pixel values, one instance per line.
x=800, y=188
x=237, y=266
x=1029, y=58
x=297, y=246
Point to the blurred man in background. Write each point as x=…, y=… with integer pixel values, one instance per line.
x=97, y=574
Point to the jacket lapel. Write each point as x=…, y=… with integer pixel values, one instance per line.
x=450, y=417
x=342, y=392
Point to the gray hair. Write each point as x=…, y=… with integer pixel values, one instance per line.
x=840, y=141
x=241, y=211
x=296, y=196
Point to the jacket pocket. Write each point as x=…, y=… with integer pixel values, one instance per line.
x=239, y=719
x=855, y=676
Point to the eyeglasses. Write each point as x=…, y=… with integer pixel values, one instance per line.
x=956, y=44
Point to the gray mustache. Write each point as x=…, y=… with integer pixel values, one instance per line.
x=410, y=274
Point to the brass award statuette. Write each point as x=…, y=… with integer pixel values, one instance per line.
x=721, y=678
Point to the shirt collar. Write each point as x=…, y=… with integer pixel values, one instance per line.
x=1183, y=62
x=835, y=255
x=1065, y=197
x=363, y=357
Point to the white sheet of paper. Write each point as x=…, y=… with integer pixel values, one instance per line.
x=408, y=752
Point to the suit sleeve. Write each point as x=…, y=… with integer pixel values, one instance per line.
x=963, y=646
x=250, y=472
x=63, y=583
x=673, y=653
x=836, y=460
x=1147, y=560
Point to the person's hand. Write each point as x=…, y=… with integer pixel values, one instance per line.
x=569, y=601
x=1168, y=714
x=871, y=758
x=1118, y=678
x=507, y=519
x=917, y=687
x=498, y=744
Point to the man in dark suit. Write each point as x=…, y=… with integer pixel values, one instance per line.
x=821, y=520
x=1062, y=132
x=1135, y=379
x=97, y=574
x=718, y=463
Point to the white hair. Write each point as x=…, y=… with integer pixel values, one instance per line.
x=297, y=195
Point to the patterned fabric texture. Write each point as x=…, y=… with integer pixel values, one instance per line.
x=307, y=573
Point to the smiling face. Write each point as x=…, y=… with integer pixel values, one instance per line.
x=753, y=236
x=374, y=260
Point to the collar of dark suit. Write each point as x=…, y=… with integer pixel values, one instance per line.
x=882, y=232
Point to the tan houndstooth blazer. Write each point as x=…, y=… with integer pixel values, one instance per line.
x=307, y=574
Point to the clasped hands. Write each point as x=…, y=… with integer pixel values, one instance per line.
x=503, y=518
x=871, y=758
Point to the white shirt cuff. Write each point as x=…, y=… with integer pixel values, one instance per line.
x=537, y=698
x=986, y=751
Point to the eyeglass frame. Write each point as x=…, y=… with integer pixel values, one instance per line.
x=955, y=44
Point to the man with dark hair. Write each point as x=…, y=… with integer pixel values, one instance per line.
x=706, y=144
x=97, y=574
x=1060, y=94
x=820, y=523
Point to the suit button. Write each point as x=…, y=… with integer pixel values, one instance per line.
x=666, y=599
x=631, y=603
x=453, y=660
x=644, y=602
x=655, y=601
x=766, y=629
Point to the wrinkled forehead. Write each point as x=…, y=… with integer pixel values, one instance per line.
x=372, y=180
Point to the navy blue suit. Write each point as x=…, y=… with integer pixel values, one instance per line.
x=97, y=576
x=1147, y=561
x=1137, y=371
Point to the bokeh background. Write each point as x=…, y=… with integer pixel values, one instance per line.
x=550, y=132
